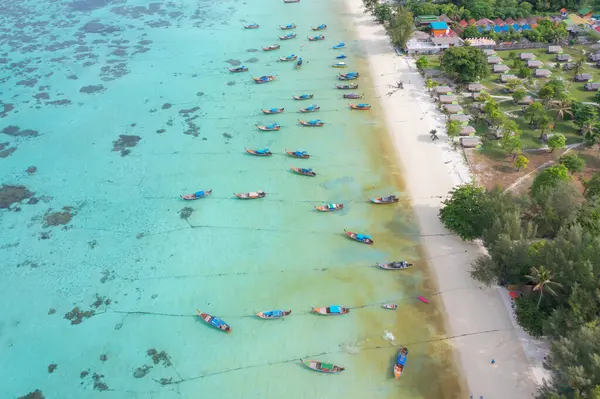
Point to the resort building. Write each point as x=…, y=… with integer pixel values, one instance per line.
x=439, y=38
x=447, y=98
x=507, y=78
x=443, y=90
x=554, y=49
x=534, y=64
x=564, y=58
x=494, y=59
x=482, y=42
x=542, y=73
x=475, y=87
x=452, y=108
x=527, y=56
x=500, y=68
x=467, y=130
x=592, y=86
x=583, y=77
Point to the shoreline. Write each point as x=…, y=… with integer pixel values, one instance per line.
x=478, y=315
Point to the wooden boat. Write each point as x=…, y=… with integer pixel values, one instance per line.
x=341, y=57
x=339, y=65
x=423, y=299
x=359, y=237
x=353, y=95
x=339, y=46
x=253, y=195
x=239, y=69
x=329, y=207
x=288, y=36
x=251, y=26
x=331, y=310
x=272, y=47
x=291, y=57
x=299, y=63
x=390, y=199
x=214, y=321
x=304, y=97
x=287, y=27
x=304, y=171
x=273, y=314
x=391, y=306
x=291, y=1
x=312, y=123
x=298, y=154
x=316, y=38
x=400, y=362
x=259, y=153
x=394, y=265
x=320, y=27
x=310, y=108
x=269, y=128
x=264, y=79
x=360, y=107
x=272, y=111
x=348, y=76
x=347, y=86
x=322, y=367
x=196, y=195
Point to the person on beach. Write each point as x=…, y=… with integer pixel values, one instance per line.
x=433, y=134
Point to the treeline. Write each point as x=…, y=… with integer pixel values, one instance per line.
x=398, y=20
x=549, y=241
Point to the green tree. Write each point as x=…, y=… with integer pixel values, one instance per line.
x=466, y=63
x=369, y=5
x=466, y=211
x=521, y=162
x=542, y=278
x=431, y=84
x=529, y=316
x=382, y=12
x=546, y=93
x=534, y=112
x=401, y=27
x=592, y=186
x=584, y=114
x=573, y=162
x=524, y=72
x=596, y=97
x=589, y=215
x=518, y=95
x=556, y=206
x=549, y=177
x=562, y=107
x=453, y=128
x=557, y=141
x=578, y=67
x=422, y=63
x=513, y=85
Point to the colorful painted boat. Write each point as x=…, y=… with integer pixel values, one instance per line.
x=304, y=97
x=348, y=76
x=304, y=171
x=423, y=299
x=259, y=153
x=360, y=107
x=272, y=47
x=312, y=123
x=298, y=154
x=269, y=128
x=320, y=27
x=251, y=26
x=359, y=237
x=214, y=321
x=400, y=362
x=288, y=36
x=390, y=199
x=339, y=45
x=331, y=310
x=316, y=38
x=252, y=195
x=239, y=69
x=347, y=86
x=395, y=265
x=329, y=207
x=272, y=111
x=264, y=79
x=299, y=63
x=322, y=367
x=341, y=57
x=196, y=195
x=353, y=96
x=391, y=306
x=287, y=27
x=291, y=57
x=273, y=314
x=310, y=108
x=339, y=65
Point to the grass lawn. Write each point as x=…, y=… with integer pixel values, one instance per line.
x=433, y=61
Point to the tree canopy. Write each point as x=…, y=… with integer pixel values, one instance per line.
x=466, y=63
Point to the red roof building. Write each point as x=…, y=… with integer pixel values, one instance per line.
x=463, y=23
x=472, y=21
x=499, y=22
x=509, y=21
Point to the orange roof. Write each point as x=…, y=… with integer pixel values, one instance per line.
x=563, y=10
x=472, y=21
x=463, y=23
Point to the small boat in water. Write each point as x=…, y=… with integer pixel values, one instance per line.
x=298, y=154
x=359, y=237
x=242, y=68
x=340, y=65
x=312, y=123
x=353, y=96
x=322, y=367
x=331, y=310
x=288, y=36
x=264, y=79
x=304, y=171
x=310, y=108
x=272, y=111
x=196, y=195
x=390, y=199
x=320, y=27
x=339, y=45
x=251, y=26
x=395, y=265
x=273, y=314
x=291, y=57
x=304, y=97
x=360, y=107
x=272, y=47
x=348, y=76
x=291, y=1
x=299, y=63
x=350, y=86
x=287, y=27
x=253, y=195
x=391, y=306
x=214, y=321
x=259, y=153
x=423, y=299
x=341, y=57
x=400, y=362
x=269, y=128
x=329, y=207
x=316, y=38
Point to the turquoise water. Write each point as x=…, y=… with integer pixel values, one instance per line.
x=96, y=223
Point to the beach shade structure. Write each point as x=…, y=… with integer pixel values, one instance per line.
x=500, y=68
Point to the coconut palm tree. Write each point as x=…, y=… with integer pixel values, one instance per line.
x=562, y=107
x=542, y=278
x=578, y=67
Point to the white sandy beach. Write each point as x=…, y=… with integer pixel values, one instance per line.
x=430, y=169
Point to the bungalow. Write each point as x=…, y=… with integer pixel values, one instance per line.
x=500, y=68
x=564, y=58
x=563, y=13
x=467, y=131
x=481, y=42
x=542, y=73
x=439, y=28
x=452, y=108
x=509, y=21
x=526, y=56
x=446, y=19
x=583, y=77
x=444, y=42
x=460, y=117
x=470, y=142
x=594, y=57
x=494, y=59
x=463, y=24
x=443, y=90
x=507, y=78
x=424, y=20
x=534, y=64
x=527, y=100
x=585, y=12
x=592, y=86
x=475, y=87
x=447, y=98
x=489, y=51
x=554, y=49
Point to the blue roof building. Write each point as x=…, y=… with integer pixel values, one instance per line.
x=439, y=25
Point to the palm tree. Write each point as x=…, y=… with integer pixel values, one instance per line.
x=578, y=67
x=542, y=278
x=562, y=107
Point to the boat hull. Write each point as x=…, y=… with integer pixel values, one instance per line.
x=322, y=367
x=326, y=311
x=299, y=98
x=400, y=362
x=294, y=155
x=354, y=237
x=192, y=197
x=269, y=112
x=250, y=195
x=258, y=154
x=214, y=322
x=273, y=314
x=380, y=200
x=326, y=208
x=300, y=172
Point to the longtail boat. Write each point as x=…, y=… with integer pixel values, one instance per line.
x=298, y=154
x=251, y=26
x=291, y=57
x=331, y=310
x=359, y=237
x=423, y=299
x=320, y=27
x=341, y=57
x=196, y=195
x=322, y=367
x=339, y=45
x=329, y=207
x=272, y=111
x=304, y=171
x=273, y=314
x=291, y=1
x=304, y=97
x=253, y=195
x=287, y=27
x=264, y=79
x=353, y=96
x=395, y=265
x=390, y=199
x=339, y=65
x=312, y=123
x=316, y=38
x=310, y=108
x=360, y=107
x=400, y=362
x=299, y=63
x=288, y=36
x=348, y=76
x=347, y=86
x=259, y=153
x=269, y=128
x=214, y=321
x=272, y=47
x=391, y=306
x=239, y=69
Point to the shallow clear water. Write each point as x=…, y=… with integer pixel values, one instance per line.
x=101, y=227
